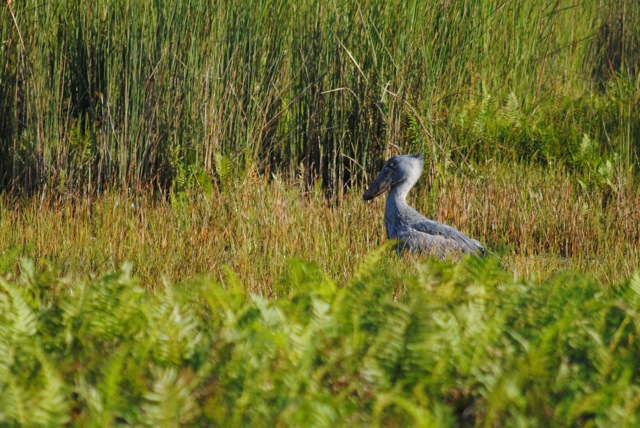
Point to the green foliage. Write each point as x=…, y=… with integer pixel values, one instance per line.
x=112, y=94
x=223, y=169
x=451, y=345
x=564, y=134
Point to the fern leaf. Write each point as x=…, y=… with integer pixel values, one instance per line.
x=25, y=322
x=170, y=401
x=222, y=166
x=369, y=266
x=511, y=110
x=52, y=408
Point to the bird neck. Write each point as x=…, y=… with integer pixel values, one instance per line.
x=398, y=195
x=397, y=201
x=396, y=208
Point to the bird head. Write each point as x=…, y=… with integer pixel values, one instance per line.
x=396, y=170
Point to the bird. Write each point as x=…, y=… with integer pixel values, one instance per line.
x=411, y=230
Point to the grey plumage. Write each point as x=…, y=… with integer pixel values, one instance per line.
x=413, y=231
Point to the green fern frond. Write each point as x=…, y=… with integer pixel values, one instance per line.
x=383, y=360
x=369, y=265
x=52, y=405
x=586, y=145
x=90, y=398
x=634, y=282
x=24, y=320
x=511, y=110
x=479, y=125
x=112, y=398
x=392, y=402
x=222, y=165
x=178, y=333
x=170, y=401
x=16, y=397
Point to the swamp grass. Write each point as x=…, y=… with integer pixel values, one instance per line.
x=538, y=221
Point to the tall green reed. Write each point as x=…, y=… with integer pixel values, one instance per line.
x=131, y=95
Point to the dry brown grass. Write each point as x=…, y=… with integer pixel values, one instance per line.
x=538, y=220
x=543, y=220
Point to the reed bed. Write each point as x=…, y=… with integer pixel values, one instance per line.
x=114, y=94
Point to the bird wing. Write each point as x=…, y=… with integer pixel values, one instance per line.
x=434, y=228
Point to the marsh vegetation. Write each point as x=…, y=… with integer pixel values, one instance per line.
x=183, y=238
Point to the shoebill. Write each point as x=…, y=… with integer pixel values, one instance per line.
x=410, y=229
